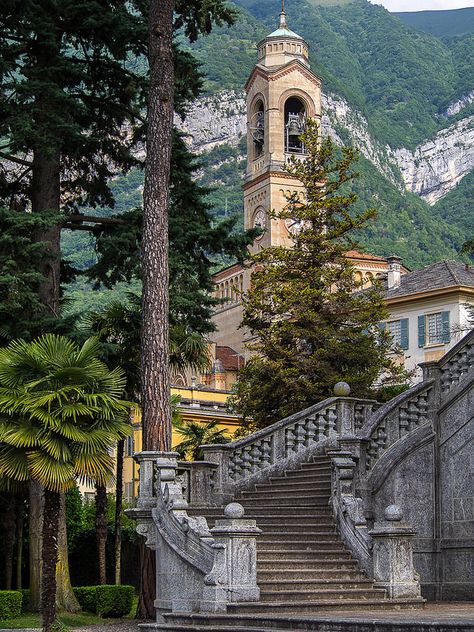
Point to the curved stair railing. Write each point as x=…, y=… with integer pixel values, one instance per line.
x=457, y=365
x=283, y=445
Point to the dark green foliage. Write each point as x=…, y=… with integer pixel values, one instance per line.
x=26, y=599
x=313, y=326
x=69, y=89
x=74, y=514
x=441, y=23
x=10, y=604
x=106, y=601
x=194, y=240
x=114, y=601
x=196, y=434
x=456, y=208
x=21, y=313
x=87, y=597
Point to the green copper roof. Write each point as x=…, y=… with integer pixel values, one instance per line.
x=285, y=32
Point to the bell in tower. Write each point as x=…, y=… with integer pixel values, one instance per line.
x=295, y=124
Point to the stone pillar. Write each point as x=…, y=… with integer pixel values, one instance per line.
x=239, y=536
x=219, y=455
x=393, y=556
x=147, y=478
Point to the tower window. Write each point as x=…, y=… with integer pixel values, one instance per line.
x=257, y=129
x=295, y=123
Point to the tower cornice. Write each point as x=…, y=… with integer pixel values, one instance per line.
x=274, y=73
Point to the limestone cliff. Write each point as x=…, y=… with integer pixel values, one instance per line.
x=431, y=170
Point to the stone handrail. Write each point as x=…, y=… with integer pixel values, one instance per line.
x=284, y=443
x=457, y=363
x=394, y=420
x=181, y=536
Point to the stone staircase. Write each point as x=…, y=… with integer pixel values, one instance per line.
x=303, y=567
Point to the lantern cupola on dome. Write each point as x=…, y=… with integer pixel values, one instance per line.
x=282, y=46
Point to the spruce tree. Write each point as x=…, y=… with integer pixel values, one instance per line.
x=313, y=323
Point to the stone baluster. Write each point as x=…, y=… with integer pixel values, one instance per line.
x=147, y=478
x=237, y=569
x=200, y=482
x=222, y=486
x=393, y=556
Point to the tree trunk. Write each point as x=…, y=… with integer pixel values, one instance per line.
x=155, y=392
x=155, y=396
x=9, y=538
x=65, y=597
x=52, y=504
x=35, y=537
x=118, y=511
x=101, y=530
x=45, y=196
x=20, y=515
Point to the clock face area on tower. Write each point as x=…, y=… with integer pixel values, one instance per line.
x=260, y=221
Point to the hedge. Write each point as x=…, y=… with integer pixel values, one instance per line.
x=106, y=601
x=10, y=604
x=26, y=599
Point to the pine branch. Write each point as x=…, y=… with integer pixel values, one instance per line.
x=19, y=161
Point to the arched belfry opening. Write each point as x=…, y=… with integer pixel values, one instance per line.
x=257, y=128
x=295, y=123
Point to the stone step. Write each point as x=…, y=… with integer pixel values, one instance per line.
x=271, y=542
x=277, y=512
x=323, y=594
x=288, y=522
x=302, y=607
x=280, y=530
x=276, y=585
x=306, y=486
x=298, y=476
x=334, y=563
x=290, y=554
x=284, y=500
x=291, y=574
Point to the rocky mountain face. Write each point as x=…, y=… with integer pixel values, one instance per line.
x=431, y=170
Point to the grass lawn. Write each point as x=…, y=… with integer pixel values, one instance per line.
x=79, y=620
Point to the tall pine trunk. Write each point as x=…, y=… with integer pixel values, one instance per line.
x=52, y=503
x=155, y=392
x=101, y=530
x=118, y=511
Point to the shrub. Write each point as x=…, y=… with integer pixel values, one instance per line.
x=10, y=604
x=87, y=597
x=114, y=601
x=25, y=604
x=106, y=601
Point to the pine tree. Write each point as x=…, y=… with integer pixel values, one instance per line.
x=313, y=323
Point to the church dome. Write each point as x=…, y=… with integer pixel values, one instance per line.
x=282, y=46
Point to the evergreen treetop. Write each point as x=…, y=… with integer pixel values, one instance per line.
x=313, y=323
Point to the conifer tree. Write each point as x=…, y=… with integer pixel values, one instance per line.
x=313, y=323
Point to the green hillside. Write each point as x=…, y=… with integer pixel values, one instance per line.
x=457, y=208
x=400, y=78
x=441, y=23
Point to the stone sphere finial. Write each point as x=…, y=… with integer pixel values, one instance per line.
x=393, y=513
x=342, y=389
x=234, y=510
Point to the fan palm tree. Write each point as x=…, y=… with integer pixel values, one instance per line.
x=118, y=327
x=60, y=411
x=195, y=435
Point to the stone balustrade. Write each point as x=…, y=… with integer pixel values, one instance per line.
x=457, y=364
x=283, y=444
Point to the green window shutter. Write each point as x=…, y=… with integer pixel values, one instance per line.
x=404, y=333
x=446, y=327
x=421, y=331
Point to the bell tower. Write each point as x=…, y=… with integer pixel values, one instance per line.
x=282, y=92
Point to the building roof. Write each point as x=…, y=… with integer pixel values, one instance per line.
x=284, y=32
x=231, y=360
x=437, y=276
x=356, y=254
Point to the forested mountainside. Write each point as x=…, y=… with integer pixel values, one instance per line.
x=441, y=23
x=405, y=97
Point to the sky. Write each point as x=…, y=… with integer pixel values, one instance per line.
x=423, y=5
